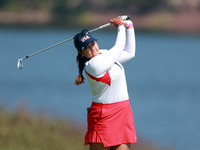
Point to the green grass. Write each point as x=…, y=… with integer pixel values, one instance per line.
x=20, y=130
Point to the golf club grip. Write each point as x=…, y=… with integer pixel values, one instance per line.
x=125, y=17
x=128, y=17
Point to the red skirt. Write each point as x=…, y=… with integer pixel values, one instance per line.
x=110, y=124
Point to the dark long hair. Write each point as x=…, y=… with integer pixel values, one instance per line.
x=81, y=64
x=81, y=59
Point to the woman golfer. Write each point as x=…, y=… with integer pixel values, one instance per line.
x=110, y=119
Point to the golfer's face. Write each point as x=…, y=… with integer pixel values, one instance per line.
x=91, y=51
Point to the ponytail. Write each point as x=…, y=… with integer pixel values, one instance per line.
x=81, y=64
x=81, y=41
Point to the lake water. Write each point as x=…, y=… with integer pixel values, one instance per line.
x=163, y=81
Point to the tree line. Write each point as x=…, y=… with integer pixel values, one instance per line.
x=63, y=7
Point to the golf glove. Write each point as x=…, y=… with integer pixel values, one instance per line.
x=128, y=23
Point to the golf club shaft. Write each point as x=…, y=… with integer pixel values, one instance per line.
x=125, y=17
x=103, y=26
x=46, y=48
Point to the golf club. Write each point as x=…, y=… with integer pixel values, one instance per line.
x=20, y=61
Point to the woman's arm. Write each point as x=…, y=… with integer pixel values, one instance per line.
x=129, y=51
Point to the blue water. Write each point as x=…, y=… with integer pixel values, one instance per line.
x=163, y=81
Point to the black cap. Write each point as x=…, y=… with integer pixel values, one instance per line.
x=83, y=39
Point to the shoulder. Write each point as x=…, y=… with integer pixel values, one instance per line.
x=95, y=64
x=98, y=57
x=94, y=59
x=103, y=51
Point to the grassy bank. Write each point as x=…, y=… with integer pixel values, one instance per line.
x=20, y=130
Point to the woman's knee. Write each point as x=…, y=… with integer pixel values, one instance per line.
x=121, y=147
x=98, y=146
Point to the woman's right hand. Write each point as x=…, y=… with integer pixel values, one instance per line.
x=116, y=21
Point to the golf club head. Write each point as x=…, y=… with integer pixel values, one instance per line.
x=20, y=64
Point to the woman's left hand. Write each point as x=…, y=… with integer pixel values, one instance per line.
x=79, y=80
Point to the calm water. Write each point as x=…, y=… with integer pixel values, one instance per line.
x=163, y=81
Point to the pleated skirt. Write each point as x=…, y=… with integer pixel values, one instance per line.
x=110, y=124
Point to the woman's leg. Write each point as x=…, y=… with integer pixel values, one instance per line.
x=121, y=147
x=98, y=146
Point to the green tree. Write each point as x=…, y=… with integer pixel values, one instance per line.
x=2, y=3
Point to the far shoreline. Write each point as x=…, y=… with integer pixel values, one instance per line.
x=182, y=22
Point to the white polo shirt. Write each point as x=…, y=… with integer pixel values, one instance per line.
x=105, y=73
